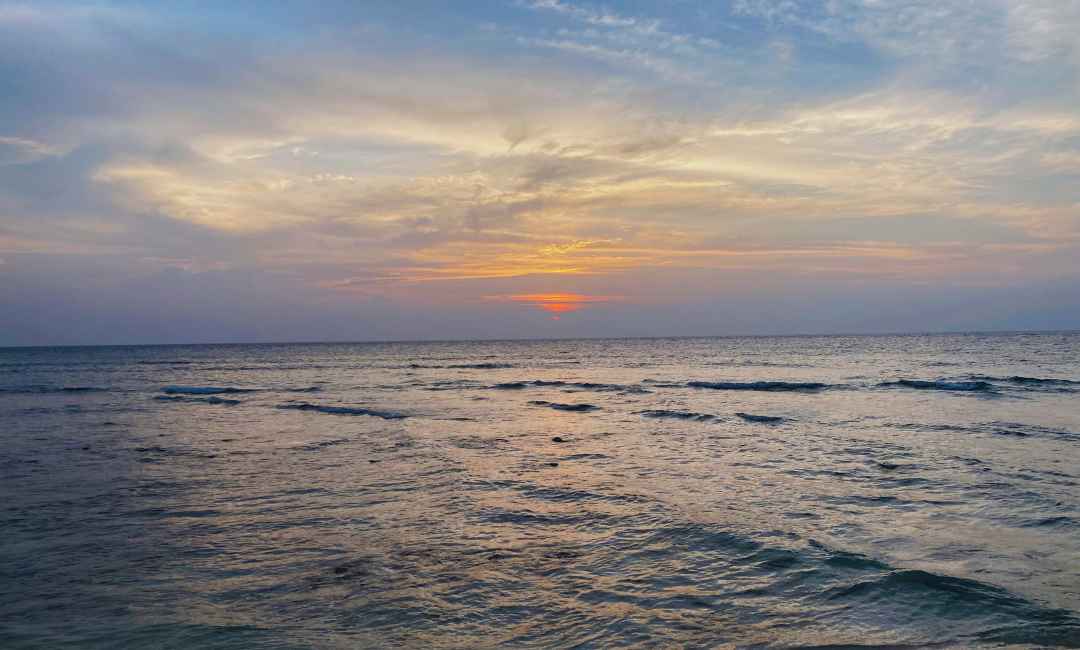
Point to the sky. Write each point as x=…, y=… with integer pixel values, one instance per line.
x=293, y=171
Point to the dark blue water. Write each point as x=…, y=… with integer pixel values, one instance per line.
x=757, y=492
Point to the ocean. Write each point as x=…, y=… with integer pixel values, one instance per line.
x=878, y=491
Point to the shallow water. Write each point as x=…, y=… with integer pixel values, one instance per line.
x=754, y=492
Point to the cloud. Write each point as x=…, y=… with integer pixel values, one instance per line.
x=592, y=17
x=21, y=151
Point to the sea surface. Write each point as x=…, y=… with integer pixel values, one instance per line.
x=895, y=491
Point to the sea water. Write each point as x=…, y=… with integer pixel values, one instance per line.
x=724, y=492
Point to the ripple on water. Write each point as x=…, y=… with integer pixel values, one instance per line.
x=679, y=581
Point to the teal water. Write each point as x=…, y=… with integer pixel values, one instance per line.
x=754, y=492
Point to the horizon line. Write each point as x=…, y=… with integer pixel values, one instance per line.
x=546, y=339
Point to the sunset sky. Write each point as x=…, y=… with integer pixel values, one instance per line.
x=185, y=171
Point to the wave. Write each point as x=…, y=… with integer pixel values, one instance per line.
x=961, y=592
x=1021, y=430
x=1060, y=521
x=759, y=364
x=212, y=399
x=322, y=444
x=1011, y=619
x=164, y=363
x=572, y=385
x=462, y=366
x=1000, y=428
x=663, y=384
x=921, y=384
x=679, y=415
x=342, y=410
x=771, y=386
x=760, y=419
x=1035, y=382
x=276, y=366
x=450, y=386
x=565, y=407
x=204, y=390
x=39, y=389
x=853, y=586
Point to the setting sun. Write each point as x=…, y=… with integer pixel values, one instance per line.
x=557, y=304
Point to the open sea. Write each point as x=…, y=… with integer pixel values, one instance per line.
x=870, y=491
